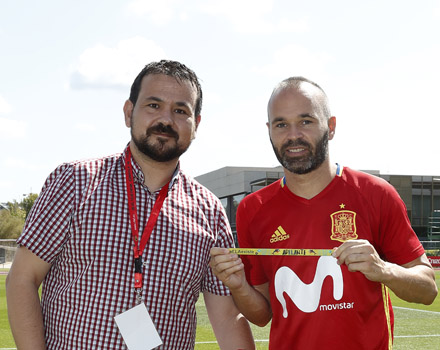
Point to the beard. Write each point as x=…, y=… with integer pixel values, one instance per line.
x=305, y=164
x=160, y=150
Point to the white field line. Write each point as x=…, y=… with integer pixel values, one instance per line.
x=214, y=342
x=417, y=336
x=409, y=309
x=267, y=340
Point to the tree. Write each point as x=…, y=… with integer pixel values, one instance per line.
x=10, y=226
x=13, y=218
x=27, y=203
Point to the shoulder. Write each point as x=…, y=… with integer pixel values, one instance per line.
x=365, y=182
x=82, y=170
x=261, y=197
x=96, y=165
x=198, y=192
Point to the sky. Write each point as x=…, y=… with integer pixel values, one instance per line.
x=67, y=67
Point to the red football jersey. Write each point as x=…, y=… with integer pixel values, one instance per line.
x=315, y=302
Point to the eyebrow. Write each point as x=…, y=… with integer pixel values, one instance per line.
x=157, y=99
x=307, y=115
x=154, y=98
x=304, y=115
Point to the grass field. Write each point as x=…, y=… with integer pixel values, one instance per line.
x=416, y=326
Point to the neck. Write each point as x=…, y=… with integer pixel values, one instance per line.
x=309, y=185
x=156, y=174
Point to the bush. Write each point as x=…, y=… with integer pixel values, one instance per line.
x=10, y=226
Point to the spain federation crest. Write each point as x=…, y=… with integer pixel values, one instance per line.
x=343, y=225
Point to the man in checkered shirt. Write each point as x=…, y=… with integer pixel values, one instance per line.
x=78, y=240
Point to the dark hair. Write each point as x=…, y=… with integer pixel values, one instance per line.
x=296, y=82
x=171, y=68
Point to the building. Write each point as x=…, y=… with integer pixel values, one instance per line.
x=421, y=194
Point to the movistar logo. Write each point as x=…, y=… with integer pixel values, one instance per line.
x=307, y=296
x=279, y=235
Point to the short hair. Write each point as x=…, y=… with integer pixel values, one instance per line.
x=296, y=83
x=173, y=69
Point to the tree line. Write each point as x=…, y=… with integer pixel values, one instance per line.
x=13, y=216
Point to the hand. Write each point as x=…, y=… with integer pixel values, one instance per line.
x=228, y=268
x=360, y=255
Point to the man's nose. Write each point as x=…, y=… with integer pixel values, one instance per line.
x=294, y=133
x=166, y=116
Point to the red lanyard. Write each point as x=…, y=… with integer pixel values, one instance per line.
x=140, y=246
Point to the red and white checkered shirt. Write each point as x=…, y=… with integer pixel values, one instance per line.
x=80, y=224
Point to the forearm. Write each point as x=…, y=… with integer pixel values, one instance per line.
x=415, y=284
x=235, y=333
x=253, y=305
x=25, y=316
x=230, y=327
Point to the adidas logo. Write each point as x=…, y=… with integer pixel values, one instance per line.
x=279, y=235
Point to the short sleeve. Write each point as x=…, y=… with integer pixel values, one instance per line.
x=397, y=240
x=224, y=239
x=47, y=226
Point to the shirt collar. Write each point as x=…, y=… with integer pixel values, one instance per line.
x=139, y=176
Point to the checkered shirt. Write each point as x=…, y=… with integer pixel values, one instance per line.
x=80, y=224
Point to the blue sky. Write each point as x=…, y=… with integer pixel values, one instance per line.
x=67, y=66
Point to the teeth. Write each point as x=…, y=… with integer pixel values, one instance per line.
x=296, y=150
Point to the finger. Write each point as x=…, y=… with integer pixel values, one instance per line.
x=352, y=247
x=357, y=267
x=219, y=251
x=233, y=270
x=223, y=266
x=224, y=259
x=355, y=258
x=227, y=273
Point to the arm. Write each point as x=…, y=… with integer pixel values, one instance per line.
x=24, y=310
x=230, y=327
x=252, y=301
x=412, y=282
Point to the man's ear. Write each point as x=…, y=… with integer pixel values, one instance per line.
x=198, y=120
x=128, y=112
x=331, y=127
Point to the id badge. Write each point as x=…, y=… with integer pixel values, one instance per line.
x=137, y=329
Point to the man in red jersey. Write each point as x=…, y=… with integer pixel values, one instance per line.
x=332, y=302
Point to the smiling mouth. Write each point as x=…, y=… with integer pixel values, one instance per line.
x=163, y=134
x=296, y=150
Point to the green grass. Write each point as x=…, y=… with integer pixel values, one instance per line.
x=6, y=340
x=413, y=329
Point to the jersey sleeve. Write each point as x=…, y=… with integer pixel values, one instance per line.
x=397, y=240
x=252, y=266
x=47, y=226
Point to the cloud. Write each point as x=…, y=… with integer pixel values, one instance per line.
x=114, y=67
x=5, y=107
x=158, y=12
x=294, y=60
x=21, y=164
x=288, y=26
x=85, y=127
x=246, y=16
x=251, y=16
x=436, y=11
x=12, y=129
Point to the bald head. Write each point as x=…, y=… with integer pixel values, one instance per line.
x=309, y=89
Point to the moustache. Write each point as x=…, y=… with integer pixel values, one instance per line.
x=295, y=143
x=162, y=129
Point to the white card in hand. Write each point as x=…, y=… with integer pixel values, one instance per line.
x=137, y=329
